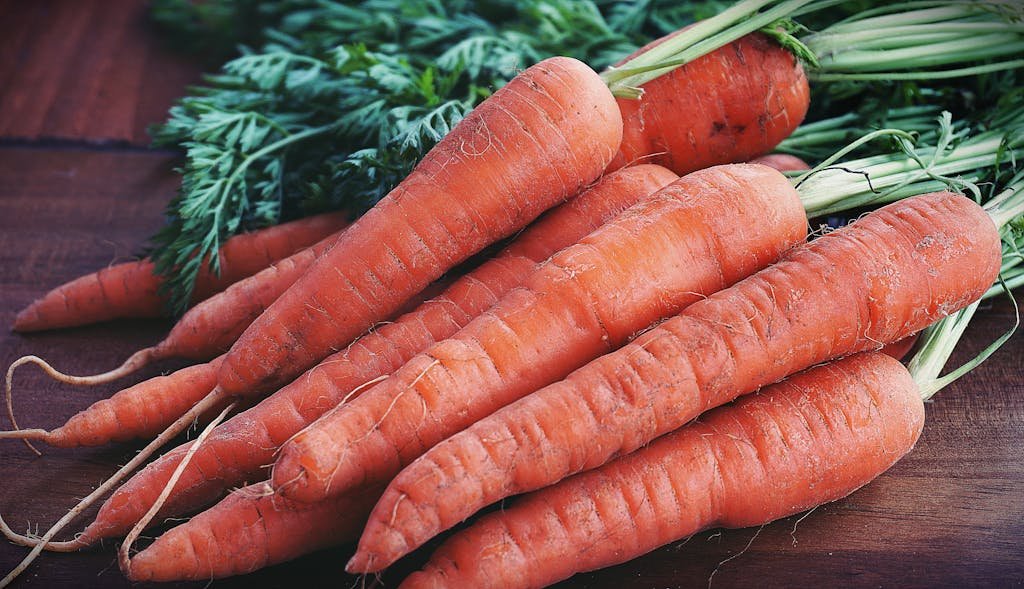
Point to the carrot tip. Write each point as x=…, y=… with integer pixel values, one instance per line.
x=358, y=564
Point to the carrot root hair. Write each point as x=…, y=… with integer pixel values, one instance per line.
x=44, y=542
x=124, y=554
x=133, y=363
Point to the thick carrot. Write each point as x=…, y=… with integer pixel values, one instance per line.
x=883, y=278
x=811, y=439
x=132, y=289
x=731, y=105
x=704, y=232
x=241, y=448
x=534, y=143
x=248, y=530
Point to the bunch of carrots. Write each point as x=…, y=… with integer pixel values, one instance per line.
x=642, y=359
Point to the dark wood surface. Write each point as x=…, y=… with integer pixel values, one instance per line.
x=950, y=514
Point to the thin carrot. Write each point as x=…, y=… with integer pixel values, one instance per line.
x=881, y=279
x=689, y=119
x=900, y=348
x=241, y=448
x=813, y=438
x=209, y=328
x=140, y=411
x=250, y=529
x=132, y=289
x=704, y=232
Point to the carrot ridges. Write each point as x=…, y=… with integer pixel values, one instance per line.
x=559, y=107
x=584, y=301
x=888, y=275
x=813, y=438
x=240, y=449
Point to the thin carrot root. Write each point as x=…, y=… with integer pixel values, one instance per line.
x=123, y=555
x=135, y=412
x=133, y=363
x=44, y=542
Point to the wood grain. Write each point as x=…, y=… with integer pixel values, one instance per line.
x=84, y=70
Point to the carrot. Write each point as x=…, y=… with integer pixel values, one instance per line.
x=881, y=279
x=240, y=449
x=813, y=438
x=690, y=118
x=900, y=348
x=782, y=162
x=202, y=333
x=209, y=328
x=709, y=229
x=534, y=143
x=132, y=289
x=249, y=530
x=145, y=409
x=140, y=411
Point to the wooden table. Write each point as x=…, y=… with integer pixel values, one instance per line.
x=78, y=189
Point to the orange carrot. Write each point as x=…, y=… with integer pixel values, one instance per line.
x=132, y=289
x=140, y=411
x=899, y=349
x=731, y=105
x=782, y=162
x=811, y=439
x=534, y=143
x=209, y=328
x=242, y=447
x=249, y=530
x=704, y=232
x=881, y=279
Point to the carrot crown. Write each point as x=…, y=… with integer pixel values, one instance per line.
x=955, y=160
x=939, y=340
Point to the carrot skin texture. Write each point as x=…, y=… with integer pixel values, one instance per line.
x=247, y=531
x=140, y=411
x=811, y=439
x=879, y=280
x=131, y=289
x=211, y=327
x=731, y=105
x=586, y=300
x=239, y=449
x=559, y=112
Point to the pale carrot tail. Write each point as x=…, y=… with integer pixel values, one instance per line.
x=124, y=553
x=137, y=412
x=133, y=363
x=44, y=542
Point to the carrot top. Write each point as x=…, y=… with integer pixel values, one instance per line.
x=907, y=41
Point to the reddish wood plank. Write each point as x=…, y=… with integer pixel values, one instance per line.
x=85, y=70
